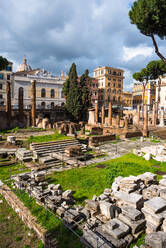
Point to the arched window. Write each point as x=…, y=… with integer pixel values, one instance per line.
x=52, y=105
x=114, y=91
x=52, y=93
x=43, y=105
x=114, y=98
x=43, y=93
x=109, y=90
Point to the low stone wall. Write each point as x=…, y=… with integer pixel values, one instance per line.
x=26, y=216
x=95, y=140
x=131, y=134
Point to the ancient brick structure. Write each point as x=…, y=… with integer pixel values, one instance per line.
x=145, y=128
x=154, y=115
x=110, y=114
x=21, y=103
x=138, y=114
x=96, y=113
x=103, y=115
x=8, y=100
x=33, y=102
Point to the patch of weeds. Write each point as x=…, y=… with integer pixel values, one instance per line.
x=19, y=238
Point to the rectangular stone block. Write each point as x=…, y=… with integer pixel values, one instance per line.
x=136, y=226
x=131, y=212
x=132, y=199
x=155, y=205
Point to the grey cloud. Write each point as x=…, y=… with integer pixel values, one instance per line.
x=53, y=34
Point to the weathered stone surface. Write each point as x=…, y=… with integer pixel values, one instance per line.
x=96, y=241
x=92, y=205
x=155, y=205
x=116, y=228
x=107, y=209
x=162, y=182
x=131, y=212
x=132, y=199
x=67, y=194
x=155, y=219
x=156, y=240
x=136, y=226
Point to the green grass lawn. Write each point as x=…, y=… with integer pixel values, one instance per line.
x=66, y=239
x=13, y=232
x=46, y=138
x=6, y=171
x=90, y=180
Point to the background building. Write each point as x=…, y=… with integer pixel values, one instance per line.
x=48, y=87
x=149, y=96
x=161, y=93
x=110, y=84
x=127, y=99
x=5, y=75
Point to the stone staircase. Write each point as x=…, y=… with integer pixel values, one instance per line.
x=43, y=151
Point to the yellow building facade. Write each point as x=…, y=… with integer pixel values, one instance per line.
x=110, y=84
x=144, y=96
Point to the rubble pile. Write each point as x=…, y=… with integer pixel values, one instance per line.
x=158, y=152
x=134, y=205
x=24, y=155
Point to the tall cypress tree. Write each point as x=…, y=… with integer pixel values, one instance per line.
x=86, y=94
x=72, y=92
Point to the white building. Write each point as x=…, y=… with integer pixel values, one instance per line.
x=48, y=87
x=161, y=93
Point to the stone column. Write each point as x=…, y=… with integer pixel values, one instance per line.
x=118, y=120
x=110, y=114
x=21, y=103
x=33, y=102
x=103, y=115
x=154, y=115
x=8, y=100
x=126, y=123
x=138, y=114
x=96, y=113
x=145, y=129
x=162, y=119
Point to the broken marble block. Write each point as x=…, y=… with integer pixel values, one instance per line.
x=148, y=178
x=155, y=205
x=156, y=240
x=133, y=199
x=107, y=209
x=92, y=206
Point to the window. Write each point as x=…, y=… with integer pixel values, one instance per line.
x=52, y=105
x=62, y=95
x=114, y=91
x=119, y=85
x=119, y=91
x=119, y=98
x=43, y=93
x=119, y=73
x=109, y=90
x=52, y=93
x=1, y=76
x=109, y=78
x=8, y=77
x=21, y=92
x=1, y=96
x=114, y=80
x=119, y=81
x=114, y=98
x=109, y=71
x=9, y=68
x=114, y=85
x=109, y=84
x=114, y=73
x=43, y=105
x=0, y=86
x=109, y=98
x=101, y=71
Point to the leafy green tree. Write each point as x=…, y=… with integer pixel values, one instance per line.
x=150, y=18
x=3, y=63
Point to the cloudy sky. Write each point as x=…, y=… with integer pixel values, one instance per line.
x=54, y=33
